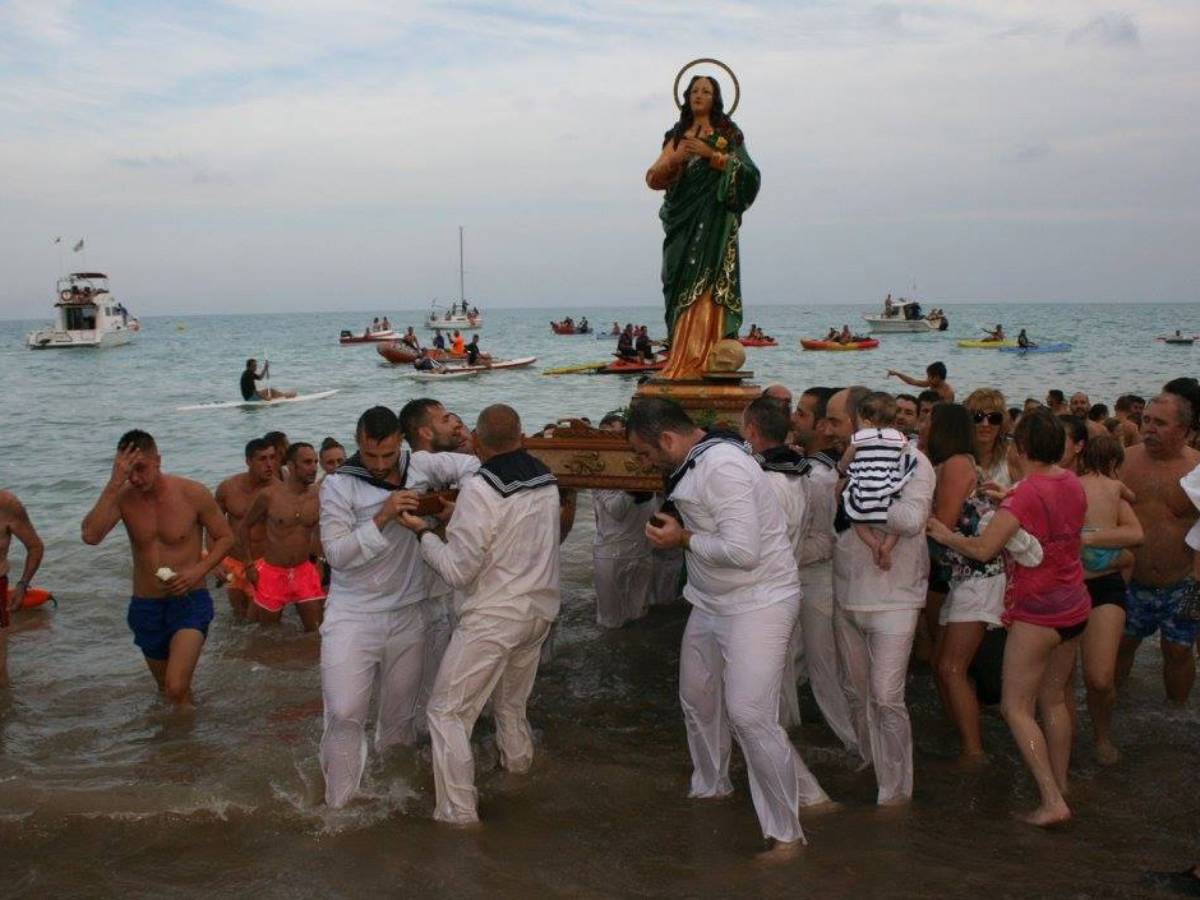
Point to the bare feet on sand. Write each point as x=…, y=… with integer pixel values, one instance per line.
x=1047, y=816
x=1107, y=754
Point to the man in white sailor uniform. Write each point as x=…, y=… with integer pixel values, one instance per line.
x=745, y=592
x=501, y=551
x=374, y=630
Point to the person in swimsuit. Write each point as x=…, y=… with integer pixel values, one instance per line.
x=1048, y=605
x=165, y=517
x=1109, y=528
x=934, y=380
x=234, y=497
x=1163, y=565
x=288, y=512
x=331, y=455
x=14, y=522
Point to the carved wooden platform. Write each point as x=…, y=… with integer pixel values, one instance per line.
x=584, y=457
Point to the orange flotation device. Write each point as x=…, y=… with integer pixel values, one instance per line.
x=33, y=597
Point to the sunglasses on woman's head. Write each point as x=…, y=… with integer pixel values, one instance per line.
x=993, y=418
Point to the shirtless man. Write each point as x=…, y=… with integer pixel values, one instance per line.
x=934, y=380
x=1128, y=410
x=14, y=521
x=1162, y=571
x=165, y=517
x=234, y=496
x=288, y=512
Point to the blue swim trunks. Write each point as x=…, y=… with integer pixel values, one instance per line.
x=1150, y=609
x=154, y=621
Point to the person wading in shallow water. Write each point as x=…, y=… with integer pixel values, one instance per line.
x=14, y=522
x=285, y=574
x=744, y=588
x=165, y=517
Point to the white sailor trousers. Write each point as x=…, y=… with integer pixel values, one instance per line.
x=624, y=588
x=820, y=654
x=874, y=648
x=439, y=623
x=488, y=657
x=730, y=672
x=358, y=650
x=667, y=568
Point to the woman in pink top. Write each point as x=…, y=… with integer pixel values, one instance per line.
x=1047, y=605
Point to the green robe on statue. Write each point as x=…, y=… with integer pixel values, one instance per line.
x=701, y=216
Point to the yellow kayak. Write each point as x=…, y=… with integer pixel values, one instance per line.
x=581, y=369
x=986, y=345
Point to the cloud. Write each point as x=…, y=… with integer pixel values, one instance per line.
x=174, y=165
x=359, y=136
x=1032, y=152
x=1109, y=30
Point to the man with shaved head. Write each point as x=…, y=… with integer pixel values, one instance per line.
x=781, y=394
x=501, y=550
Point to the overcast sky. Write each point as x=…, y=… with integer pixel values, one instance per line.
x=269, y=155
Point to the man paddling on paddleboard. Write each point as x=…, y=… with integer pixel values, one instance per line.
x=251, y=391
x=14, y=521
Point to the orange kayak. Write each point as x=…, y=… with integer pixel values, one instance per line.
x=868, y=344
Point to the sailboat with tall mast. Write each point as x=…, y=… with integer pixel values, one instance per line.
x=460, y=314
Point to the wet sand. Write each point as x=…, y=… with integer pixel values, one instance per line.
x=602, y=814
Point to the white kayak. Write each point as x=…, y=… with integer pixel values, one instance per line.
x=443, y=375
x=519, y=363
x=254, y=404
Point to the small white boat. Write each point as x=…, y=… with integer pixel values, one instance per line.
x=453, y=317
x=906, y=318
x=460, y=315
x=87, y=315
x=444, y=374
x=518, y=363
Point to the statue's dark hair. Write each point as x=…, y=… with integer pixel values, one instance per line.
x=721, y=123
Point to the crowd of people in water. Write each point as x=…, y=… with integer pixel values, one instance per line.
x=841, y=535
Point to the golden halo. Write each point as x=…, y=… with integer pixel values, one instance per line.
x=737, y=89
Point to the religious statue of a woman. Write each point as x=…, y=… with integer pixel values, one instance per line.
x=710, y=181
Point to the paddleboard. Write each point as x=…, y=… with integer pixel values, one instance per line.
x=255, y=404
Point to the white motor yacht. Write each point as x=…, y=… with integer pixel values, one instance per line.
x=86, y=315
x=904, y=317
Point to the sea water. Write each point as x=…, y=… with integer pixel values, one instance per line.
x=105, y=792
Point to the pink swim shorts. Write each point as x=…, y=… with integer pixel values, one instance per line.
x=278, y=585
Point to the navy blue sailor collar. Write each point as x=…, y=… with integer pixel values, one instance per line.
x=355, y=469
x=783, y=459
x=822, y=457
x=714, y=438
x=515, y=471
